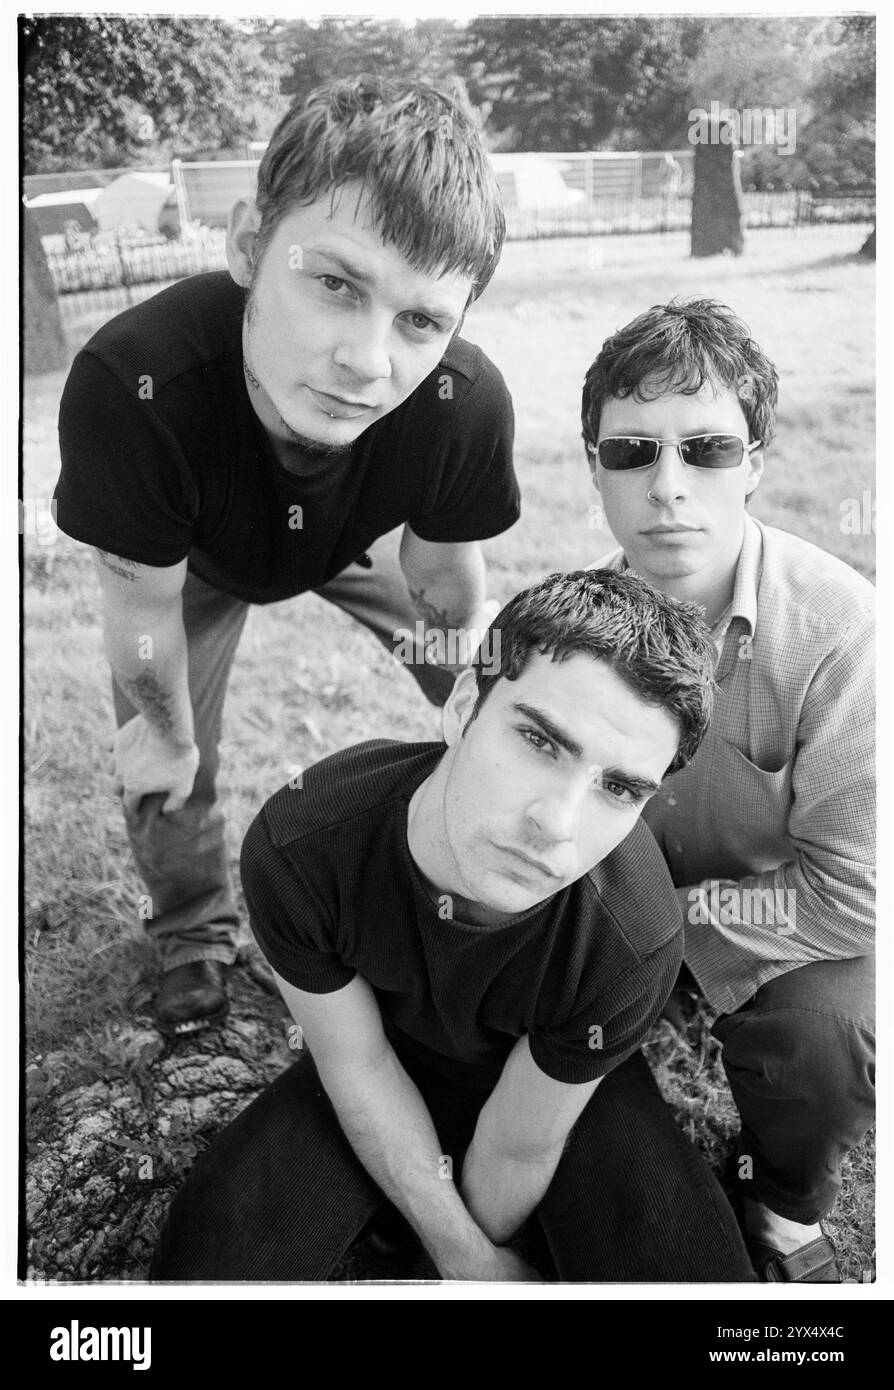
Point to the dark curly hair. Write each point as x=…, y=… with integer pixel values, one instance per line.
x=659, y=646
x=679, y=347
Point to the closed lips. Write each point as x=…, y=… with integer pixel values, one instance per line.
x=533, y=863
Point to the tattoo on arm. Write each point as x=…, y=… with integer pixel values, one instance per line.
x=253, y=380
x=151, y=700
x=434, y=617
x=125, y=569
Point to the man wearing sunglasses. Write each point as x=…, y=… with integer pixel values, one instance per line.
x=769, y=832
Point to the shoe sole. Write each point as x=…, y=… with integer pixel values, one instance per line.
x=186, y=1027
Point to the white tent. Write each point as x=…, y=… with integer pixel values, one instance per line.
x=133, y=200
x=530, y=181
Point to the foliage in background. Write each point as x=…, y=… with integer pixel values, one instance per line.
x=821, y=69
x=106, y=91
x=839, y=149
x=313, y=53
x=538, y=83
x=582, y=83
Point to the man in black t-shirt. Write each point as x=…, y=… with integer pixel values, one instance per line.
x=247, y=436
x=471, y=938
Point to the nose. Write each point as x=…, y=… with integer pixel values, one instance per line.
x=668, y=482
x=363, y=351
x=555, y=816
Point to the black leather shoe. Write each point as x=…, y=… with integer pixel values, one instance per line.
x=191, y=998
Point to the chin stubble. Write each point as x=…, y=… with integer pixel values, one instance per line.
x=318, y=447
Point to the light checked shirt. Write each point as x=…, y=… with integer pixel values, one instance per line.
x=779, y=800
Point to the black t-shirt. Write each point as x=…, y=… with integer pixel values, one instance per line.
x=163, y=456
x=332, y=892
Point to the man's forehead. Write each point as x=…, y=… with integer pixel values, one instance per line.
x=585, y=695
x=341, y=222
x=653, y=394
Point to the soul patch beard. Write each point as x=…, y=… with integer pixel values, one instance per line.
x=319, y=448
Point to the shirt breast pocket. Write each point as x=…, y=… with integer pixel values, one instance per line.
x=750, y=808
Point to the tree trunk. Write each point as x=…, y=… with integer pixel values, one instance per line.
x=45, y=348
x=106, y=1154
x=717, y=196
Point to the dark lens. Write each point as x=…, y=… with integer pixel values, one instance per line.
x=712, y=451
x=618, y=454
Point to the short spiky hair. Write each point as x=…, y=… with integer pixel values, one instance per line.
x=659, y=646
x=419, y=156
x=679, y=347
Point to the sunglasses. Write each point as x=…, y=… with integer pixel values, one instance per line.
x=625, y=453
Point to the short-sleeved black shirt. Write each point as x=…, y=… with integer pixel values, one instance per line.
x=332, y=891
x=163, y=456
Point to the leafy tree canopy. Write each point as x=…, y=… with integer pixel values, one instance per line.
x=582, y=83
x=314, y=53
x=105, y=91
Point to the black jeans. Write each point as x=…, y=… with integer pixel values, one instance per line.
x=280, y=1194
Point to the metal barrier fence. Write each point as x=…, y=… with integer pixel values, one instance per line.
x=606, y=215
x=626, y=213
x=107, y=262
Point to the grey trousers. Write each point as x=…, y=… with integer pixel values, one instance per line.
x=182, y=856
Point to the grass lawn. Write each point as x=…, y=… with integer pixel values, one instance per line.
x=308, y=681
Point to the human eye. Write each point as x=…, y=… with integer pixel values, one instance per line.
x=334, y=284
x=620, y=792
x=423, y=325
x=537, y=740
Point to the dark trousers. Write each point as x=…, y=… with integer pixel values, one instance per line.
x=182, y=856
x=280, y=1194
x=800, y=1060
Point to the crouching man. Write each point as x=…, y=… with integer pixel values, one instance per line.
x=769, y=832
x=473, y=938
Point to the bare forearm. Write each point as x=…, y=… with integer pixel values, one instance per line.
x=450, y=597
x=454, y=612
x=501, y=1190
x=146, y=649
x=388, y=1125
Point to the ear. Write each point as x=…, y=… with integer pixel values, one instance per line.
x=242, y=229
x=458, y=708
x=755, y=471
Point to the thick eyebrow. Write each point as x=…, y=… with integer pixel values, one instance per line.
x=354, y=272
x=547, y=727
x=643, y=786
